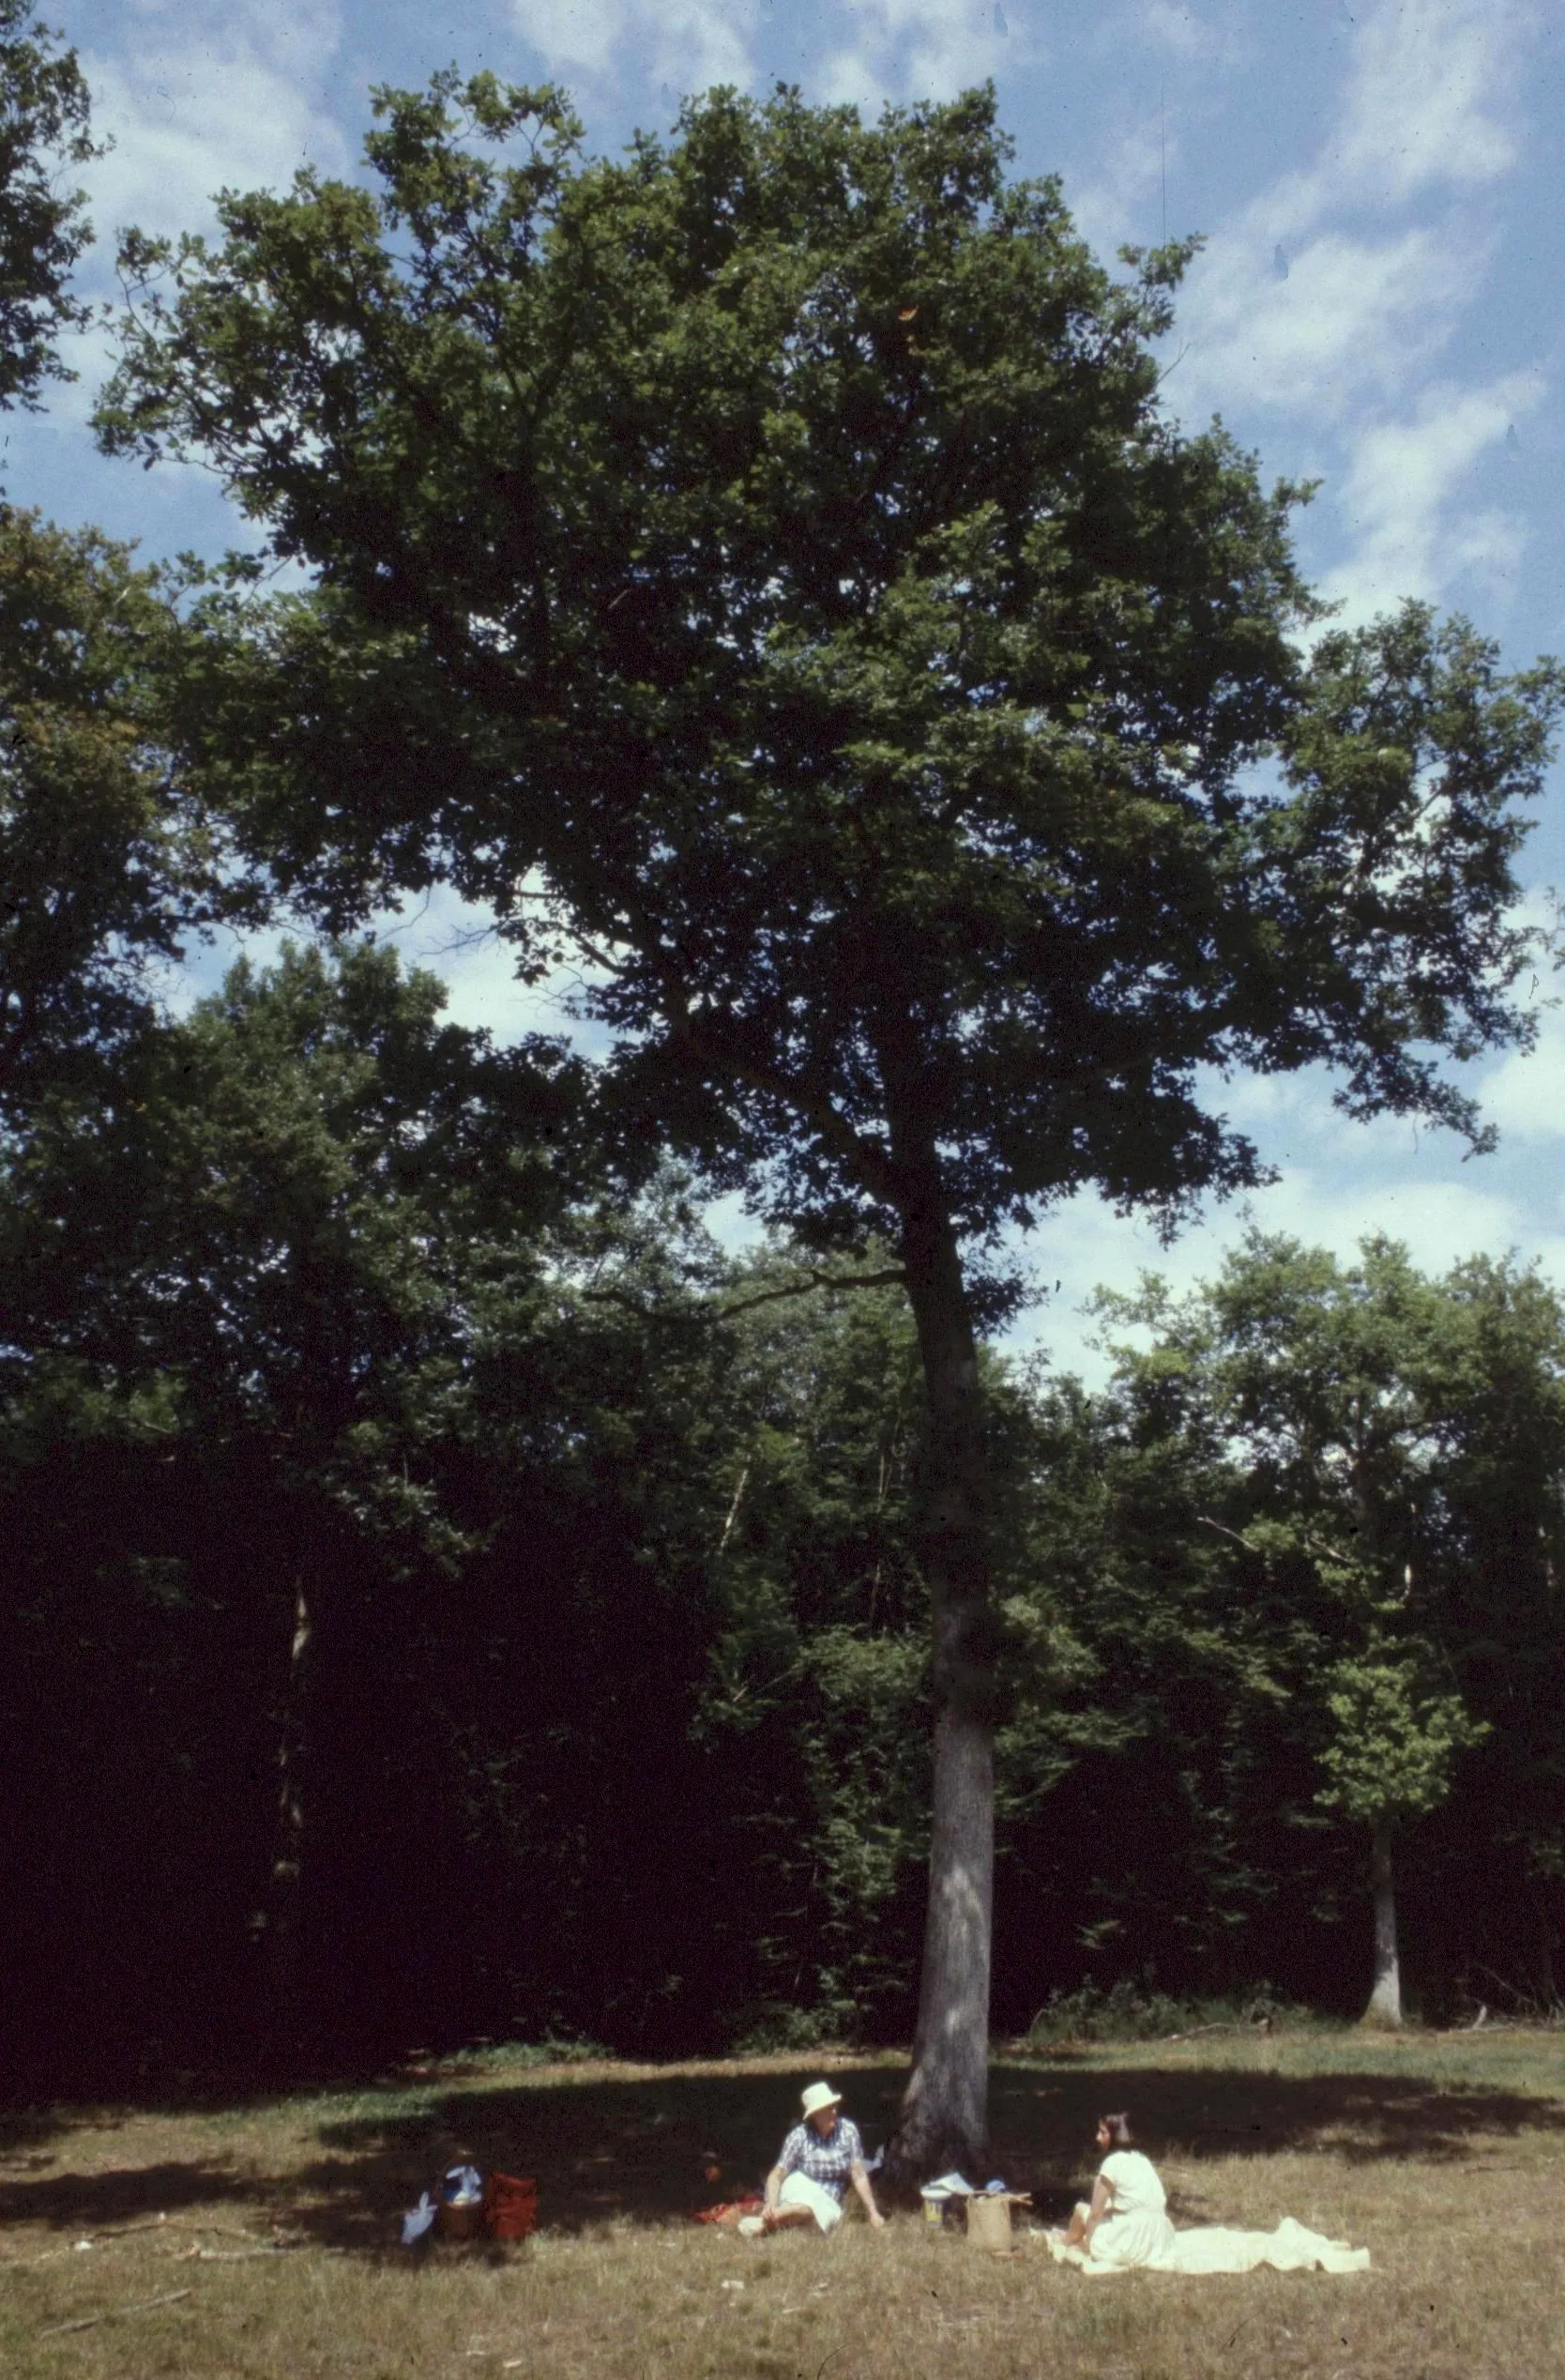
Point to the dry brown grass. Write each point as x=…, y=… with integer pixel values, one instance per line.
x=1445, y=2155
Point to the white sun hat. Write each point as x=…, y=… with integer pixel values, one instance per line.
x=821, y=2095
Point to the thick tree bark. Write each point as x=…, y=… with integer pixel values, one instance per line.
x=945, y=2113
x=1385, y=2000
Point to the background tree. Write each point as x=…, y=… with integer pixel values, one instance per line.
x=564, y=1528
x=1388, y=1760
x=769, y=551
x=1501, y=1396
x=1335, y=1378
x=244, y=1276
x=1338, y=1397
x=44, y=129
x=108, y=861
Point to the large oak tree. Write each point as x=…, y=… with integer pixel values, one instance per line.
x=761, y=564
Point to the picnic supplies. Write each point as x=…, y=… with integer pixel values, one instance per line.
x=989, y=2217
x=464, y=2206
x=941, y=2198
x=418, y=2221
x=511, y=2205
x=729, y=2212
x=461, y=2203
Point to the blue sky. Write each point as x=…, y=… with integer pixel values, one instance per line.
x=1377, y=306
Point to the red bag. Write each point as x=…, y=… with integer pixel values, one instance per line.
x=511, y=2205
x=731, y=2209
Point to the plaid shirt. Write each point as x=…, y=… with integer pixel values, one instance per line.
x=826, y=2162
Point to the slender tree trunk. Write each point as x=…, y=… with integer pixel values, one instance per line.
x=1548, y=1990
x=945, y=2113
x=284, y=2002
x=1385, y=2000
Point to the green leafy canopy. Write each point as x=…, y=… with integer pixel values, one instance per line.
x=762, y=564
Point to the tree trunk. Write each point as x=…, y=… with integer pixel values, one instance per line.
x=283, y=1995
x=1548, y=1991
x=945, y=2113
x=1385, y=2001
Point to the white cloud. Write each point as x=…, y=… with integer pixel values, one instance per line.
x=1426, y=103
x=1525, y=1094
x=1399, y=500
x=452, y=939
x=1359, y=310
x=1439, y=1220
x=1330, y=295
x=193, y=100
x=685, y=44
x=1123, y=176
x=1350, y=323
x=199, y=99
x=1338, y=1182
x=1190, y=35
x=924, y=48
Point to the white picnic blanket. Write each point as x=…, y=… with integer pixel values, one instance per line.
x=1212, y=2247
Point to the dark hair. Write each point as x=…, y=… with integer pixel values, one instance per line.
x=1119, y=2129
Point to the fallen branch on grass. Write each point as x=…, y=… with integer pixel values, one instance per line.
x=112, y=2313
x=221, y=2231
x=235, y=2256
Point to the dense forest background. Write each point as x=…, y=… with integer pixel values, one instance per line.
x=446, y=1595
x=449, y=1597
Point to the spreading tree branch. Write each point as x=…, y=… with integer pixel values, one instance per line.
x=892, y=1277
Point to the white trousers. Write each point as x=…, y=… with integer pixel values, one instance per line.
x=800, y=2191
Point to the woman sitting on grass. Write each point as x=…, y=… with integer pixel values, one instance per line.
x=1127, y=2226
x=820, y=2157
x=1127, y=2222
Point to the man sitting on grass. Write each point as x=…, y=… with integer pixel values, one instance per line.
x=818, y=2158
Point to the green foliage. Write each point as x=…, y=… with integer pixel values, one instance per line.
x=1133, y=2011
x=760, y=566
x=1371, y=1460
x=1395, y=1741
x=608, y=1589
x=273, y=1214
x=43, y=129
x=776, y=537
x=107, y=858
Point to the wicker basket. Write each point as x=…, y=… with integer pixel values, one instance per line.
x=460, y=2219
x=989, y=2219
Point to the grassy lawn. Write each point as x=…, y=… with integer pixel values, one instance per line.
x=276, y=2223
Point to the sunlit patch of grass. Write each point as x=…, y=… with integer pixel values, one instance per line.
x=1444, y=2154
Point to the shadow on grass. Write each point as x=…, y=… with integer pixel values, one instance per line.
x=121, y=2194
x=655, y=2149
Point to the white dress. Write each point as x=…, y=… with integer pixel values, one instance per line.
x=1137, y=2232
x=1137, y=2229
